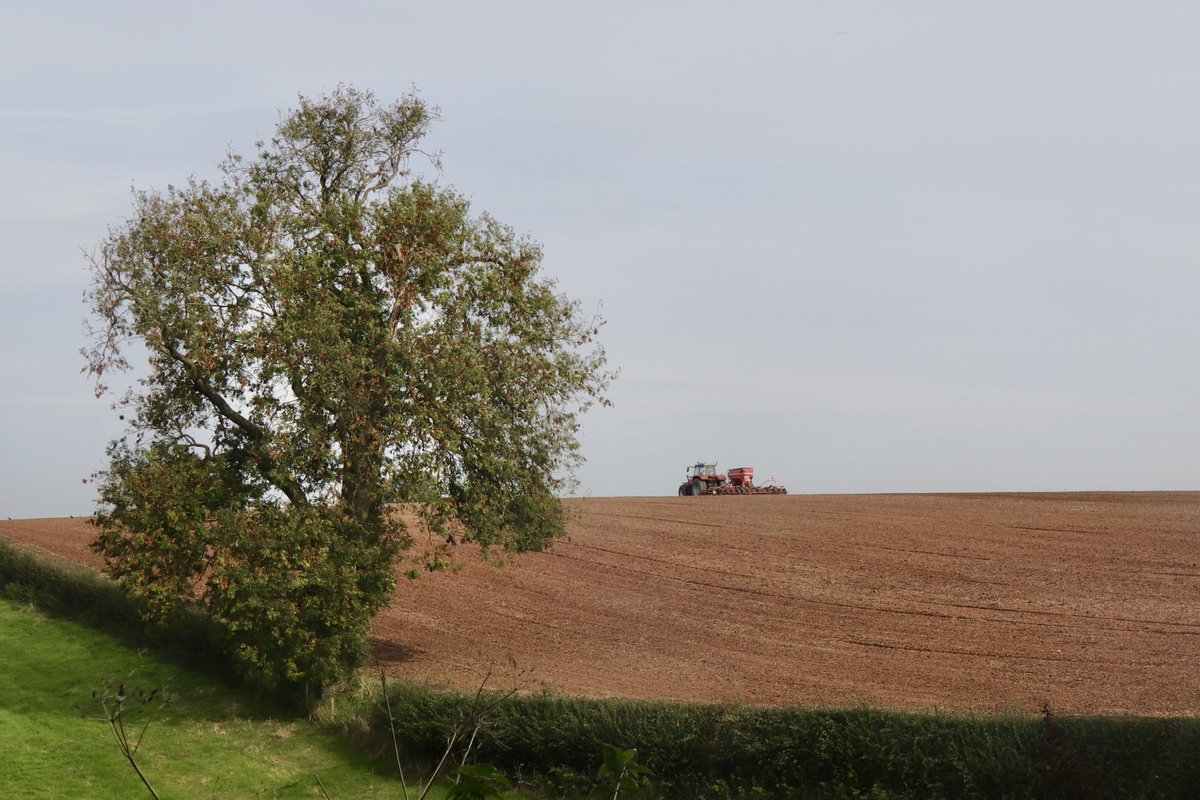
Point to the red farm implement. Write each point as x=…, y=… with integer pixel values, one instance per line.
x=704, y=479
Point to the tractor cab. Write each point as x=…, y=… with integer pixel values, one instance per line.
x=702, y=478
x=703, y=471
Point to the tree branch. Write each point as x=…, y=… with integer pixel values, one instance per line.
x=256, y=433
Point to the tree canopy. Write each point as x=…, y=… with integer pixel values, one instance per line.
x=327, y=336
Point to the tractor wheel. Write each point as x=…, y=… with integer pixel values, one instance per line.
x=683, y=490
x=694, y=488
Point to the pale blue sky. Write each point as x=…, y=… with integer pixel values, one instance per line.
x=865, y=247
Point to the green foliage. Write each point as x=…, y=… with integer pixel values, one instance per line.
x=290, y=589
x=706, y=751
x=64, y=590
x=293, y=592
x=86, y=596
x=619, y=775
x=478, y=782
x=326, y=335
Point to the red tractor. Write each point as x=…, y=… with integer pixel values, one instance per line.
x=704, y=479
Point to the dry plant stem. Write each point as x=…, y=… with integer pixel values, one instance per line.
x=470, y=744
x=324, y=791
x=392, y=728
x=125, y=751
x=479, y=710
x=116, y=724
x=445, y=755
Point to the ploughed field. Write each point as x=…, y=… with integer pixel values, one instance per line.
x=1001, y=602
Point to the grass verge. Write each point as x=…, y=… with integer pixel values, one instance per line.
x=210, y=740
x=66, y=632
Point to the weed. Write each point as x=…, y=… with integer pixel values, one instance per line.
x=121, y=706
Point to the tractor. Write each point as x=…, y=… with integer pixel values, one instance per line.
x=703, y=479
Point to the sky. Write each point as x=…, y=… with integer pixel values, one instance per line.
x=863, y=247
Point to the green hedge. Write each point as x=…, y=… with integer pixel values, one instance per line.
x=708, y=751
x=88, y=597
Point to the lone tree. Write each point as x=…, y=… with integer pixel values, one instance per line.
x=327, y=336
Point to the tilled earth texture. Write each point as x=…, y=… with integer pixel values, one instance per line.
x=1090, y=602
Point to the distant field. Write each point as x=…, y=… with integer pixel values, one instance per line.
x=1090, y=602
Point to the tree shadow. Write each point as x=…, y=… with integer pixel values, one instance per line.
x=387, y=651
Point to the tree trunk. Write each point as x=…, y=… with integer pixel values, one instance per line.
x=362, y=460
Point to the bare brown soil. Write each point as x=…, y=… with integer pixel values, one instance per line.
x=1090, y=602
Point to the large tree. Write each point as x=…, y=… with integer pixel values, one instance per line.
x=327, y=337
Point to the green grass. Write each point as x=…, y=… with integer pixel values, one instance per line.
x=211, y=741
